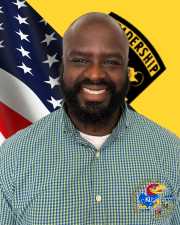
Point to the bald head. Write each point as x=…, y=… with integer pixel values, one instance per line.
x=95, y=17
x=94, y=81
x=96, y=22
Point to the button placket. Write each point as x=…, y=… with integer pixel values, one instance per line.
x=98, y=198
x=97, y=154
x=97, y=192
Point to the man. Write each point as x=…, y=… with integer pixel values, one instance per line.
x=94, y=161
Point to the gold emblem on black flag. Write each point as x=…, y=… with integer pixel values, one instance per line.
x=145, y=64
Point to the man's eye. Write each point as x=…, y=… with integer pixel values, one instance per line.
x=80, y=60
x=112, y=63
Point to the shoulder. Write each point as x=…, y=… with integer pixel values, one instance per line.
x=23, y=146
x=142, y=127
x=34, y=131
x=22, y=153
x=143, y=123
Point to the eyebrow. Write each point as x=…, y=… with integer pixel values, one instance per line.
x=80, y=53
x=106, y=55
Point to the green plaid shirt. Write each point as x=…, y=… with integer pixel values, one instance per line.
x=50, y=175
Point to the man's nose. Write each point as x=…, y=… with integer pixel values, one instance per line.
x=95, y=72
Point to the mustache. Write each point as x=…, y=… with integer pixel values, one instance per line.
x=100, y=82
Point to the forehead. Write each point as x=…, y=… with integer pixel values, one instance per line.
x=95, y=36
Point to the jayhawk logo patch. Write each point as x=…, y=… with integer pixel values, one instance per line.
x=152, y=196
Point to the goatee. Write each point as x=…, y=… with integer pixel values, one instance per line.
x=93, y=113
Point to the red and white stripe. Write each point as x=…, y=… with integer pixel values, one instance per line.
x=19, y=105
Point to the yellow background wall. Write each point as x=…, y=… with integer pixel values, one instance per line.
x=159, y=21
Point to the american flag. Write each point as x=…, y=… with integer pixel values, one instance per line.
x=30, y=55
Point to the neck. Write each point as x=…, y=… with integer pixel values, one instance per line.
x=90, y=130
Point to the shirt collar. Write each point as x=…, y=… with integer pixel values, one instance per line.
x=121, y=127
x=123, y=121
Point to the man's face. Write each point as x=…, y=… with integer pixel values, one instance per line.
x=95, y=71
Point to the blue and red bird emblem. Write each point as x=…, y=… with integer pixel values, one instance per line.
x=151, y=198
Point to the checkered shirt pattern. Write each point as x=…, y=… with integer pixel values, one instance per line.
x=50, y=175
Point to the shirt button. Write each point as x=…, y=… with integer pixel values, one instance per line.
x=98, y=198
x=97, y=154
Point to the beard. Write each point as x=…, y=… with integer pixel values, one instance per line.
x=93, y=113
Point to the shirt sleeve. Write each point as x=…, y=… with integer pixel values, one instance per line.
x=6, y=215
x=175, y=219
x=7, y=185
x=176, y=212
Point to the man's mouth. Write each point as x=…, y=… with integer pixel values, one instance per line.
x=94, y=92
